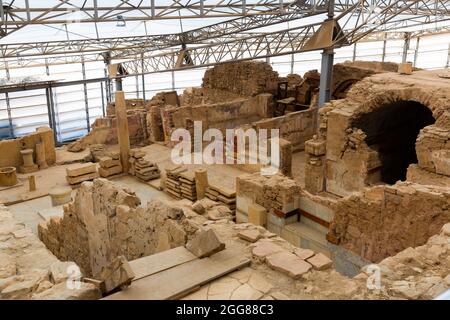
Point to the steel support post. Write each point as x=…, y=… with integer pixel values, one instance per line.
x=143, y=78
x=137, y=86
x=51, y=111
x=119, y=85
x=326, y=76
x=86, y=99
x=406, y=46
x=383, y=56
x=8, y=109
x=173, y=80
x=416, y=52
x=103, y=99
x=326, y=70
x=292, y=63
x=448, y=58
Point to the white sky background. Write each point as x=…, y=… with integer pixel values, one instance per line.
x=38, y=33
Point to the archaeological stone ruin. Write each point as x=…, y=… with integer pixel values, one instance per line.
x=244, y=188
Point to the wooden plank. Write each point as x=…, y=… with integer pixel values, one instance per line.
x=305, y=214
x=161, y=261
x=175, y=283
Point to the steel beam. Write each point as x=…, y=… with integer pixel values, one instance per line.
x=100, y=11
x=126, y=46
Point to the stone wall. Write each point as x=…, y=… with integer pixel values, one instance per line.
x=105, y=221
x=104, y=131
x=351, y=162
x=248, y=78
x=271, y=196
x=381, y=221
x=296, y=127
x=29, y=271
x=224, y=115
x=10, y=149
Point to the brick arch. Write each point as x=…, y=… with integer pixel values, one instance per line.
x=437, y=104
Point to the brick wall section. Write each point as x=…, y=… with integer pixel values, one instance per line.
x=10, y=149
x=296, y=127
x=28, y=270
x=383, y=220
x=104, y=221
x=243, y=78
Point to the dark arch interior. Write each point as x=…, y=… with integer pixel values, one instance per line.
x=340, y=92
x=392, y=130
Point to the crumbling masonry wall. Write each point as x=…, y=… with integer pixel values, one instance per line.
x=248, y=78
x=30, y=271
x=381, y=221
x=105, y=221
x=296, y=127
x=224, y=115
x=10, y=149
x=350, y=162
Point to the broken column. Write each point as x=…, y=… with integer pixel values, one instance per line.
x=201, y=182
x=314, y=167
x=122, y=129
x=40, y=156
x=8, y=177
x=285, y=157
x=81, y=172
x=32, y=183
x=28, y=163
x=60, y=196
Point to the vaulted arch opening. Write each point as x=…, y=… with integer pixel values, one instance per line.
x=392, y=131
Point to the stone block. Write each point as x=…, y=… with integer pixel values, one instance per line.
x=405, y=68
x=108, y=162
x=320, y=262
x=263, y=248
x=81, y=169
x=251, y=235
x=303, y=253
x=117, y=274
x=205, y=243
x=257, y=214
x=79, y=179
x=288, y=263
x=107, y=172
x=315, y=147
